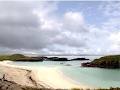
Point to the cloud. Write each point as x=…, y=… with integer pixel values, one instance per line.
x=34, y=27
x=21, y=28
x=74, y=18
x=31, y=26
x=72, y=30
x=111, y=8
x=74, y=21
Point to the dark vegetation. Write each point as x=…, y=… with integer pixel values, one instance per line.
x=111, y=61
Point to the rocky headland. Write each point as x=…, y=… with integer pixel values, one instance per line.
x=111, y=61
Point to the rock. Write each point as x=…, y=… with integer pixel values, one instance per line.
x=61, y=63
x=57, y=59
x=88, y=64
x=9, y=85
x=79, y=59
x=68, y=65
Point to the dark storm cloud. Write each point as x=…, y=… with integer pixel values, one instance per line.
x=19, y=26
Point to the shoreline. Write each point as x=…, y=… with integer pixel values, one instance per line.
x=49, y=77
x=55, y=78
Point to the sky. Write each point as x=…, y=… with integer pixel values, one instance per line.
x=60, y=27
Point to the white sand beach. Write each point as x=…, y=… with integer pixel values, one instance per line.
x=54, y=78
x=49, y=77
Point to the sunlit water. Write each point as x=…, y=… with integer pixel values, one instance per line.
x=94, y=77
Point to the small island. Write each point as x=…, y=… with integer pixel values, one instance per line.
x=111, y=61
x=64, y=59
x=56, y=59
x=79, y=59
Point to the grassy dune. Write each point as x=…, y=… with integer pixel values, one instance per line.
x=11, y=57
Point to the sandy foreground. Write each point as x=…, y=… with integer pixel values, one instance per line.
x=48, y=77
x=54, y=78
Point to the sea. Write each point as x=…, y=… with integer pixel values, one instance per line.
x=94, y=77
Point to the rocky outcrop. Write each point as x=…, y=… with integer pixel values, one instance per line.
x=57, y=59
x=8, y=85
x=79, y=59
x=65, y=59
x=88, y=64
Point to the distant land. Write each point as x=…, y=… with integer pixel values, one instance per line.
x=68, y=54
x=21, y=57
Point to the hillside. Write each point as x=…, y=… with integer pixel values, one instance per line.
x=111, y=61
x=19, y=57
x=11, y=57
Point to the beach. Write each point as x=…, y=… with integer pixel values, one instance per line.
x=44, y=77
x=55, y=78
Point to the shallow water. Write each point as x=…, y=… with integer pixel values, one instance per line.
x=94, y=77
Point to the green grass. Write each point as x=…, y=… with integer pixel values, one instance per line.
x=109, y=58
x=111, y=61
x=11, y=57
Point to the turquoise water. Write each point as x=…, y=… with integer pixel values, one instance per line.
x=95, y=77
